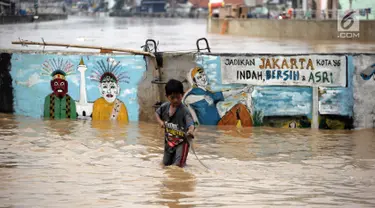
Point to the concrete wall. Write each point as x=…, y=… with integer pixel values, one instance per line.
x=285, y=29
x=148, y=93
x=346, y=101
x=364, y=93
x=174, y=66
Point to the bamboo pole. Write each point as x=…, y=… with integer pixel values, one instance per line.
x=26, y=42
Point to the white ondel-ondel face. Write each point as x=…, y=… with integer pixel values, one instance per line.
x=109, y=89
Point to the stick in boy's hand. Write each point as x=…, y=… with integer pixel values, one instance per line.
x=190, y=134
x=162, y=125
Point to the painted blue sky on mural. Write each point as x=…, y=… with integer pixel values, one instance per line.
x=338, y=101
x=280, y=100
x=31, y=87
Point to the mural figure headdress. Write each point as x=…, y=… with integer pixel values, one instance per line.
x=196, y=70
x=109, y=72
x=58, y=69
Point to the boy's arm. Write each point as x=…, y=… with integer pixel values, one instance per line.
x=158, y=119
x=189, y=123
x=191, y=130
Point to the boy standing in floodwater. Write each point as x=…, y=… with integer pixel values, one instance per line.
x=178, y=123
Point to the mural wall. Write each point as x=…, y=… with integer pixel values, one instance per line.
x=272, y=91
x=77, y=87
x=328, y=91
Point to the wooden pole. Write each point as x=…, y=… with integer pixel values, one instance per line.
x=102, y=49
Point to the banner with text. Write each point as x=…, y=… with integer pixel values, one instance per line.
x=314, y=70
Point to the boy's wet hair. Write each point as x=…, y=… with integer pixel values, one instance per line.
x=174, y=86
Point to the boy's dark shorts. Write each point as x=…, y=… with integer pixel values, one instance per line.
x=176, y=155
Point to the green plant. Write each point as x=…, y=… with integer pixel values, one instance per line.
x=258, y=118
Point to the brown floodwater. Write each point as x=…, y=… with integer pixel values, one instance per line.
x=172, y=34
x=45, y=163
